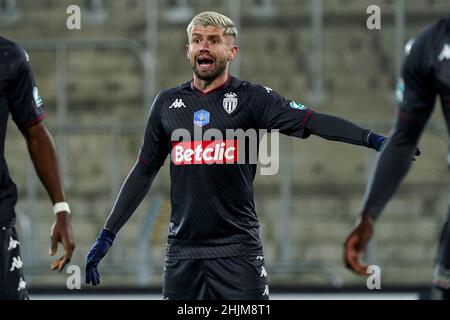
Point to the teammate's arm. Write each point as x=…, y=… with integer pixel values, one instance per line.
x=27, y=113
x=43, y=155
x=393, y=164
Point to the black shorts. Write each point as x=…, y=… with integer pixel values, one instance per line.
x=233, y=278
x=12, y=281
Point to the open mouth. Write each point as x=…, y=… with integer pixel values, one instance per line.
x=205, y=62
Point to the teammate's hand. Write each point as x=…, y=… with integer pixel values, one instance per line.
x=355, y=245
x=61, y=232
x=97, y=252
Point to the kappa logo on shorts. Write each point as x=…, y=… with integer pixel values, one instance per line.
x=263, y=272
x=12, y=244
x=22, y=284
x=16, y=263
x=266, y=290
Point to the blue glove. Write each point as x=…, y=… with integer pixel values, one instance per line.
x=97, y=252
x=377, y=142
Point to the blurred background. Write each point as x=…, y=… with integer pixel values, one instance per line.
x=97, y=84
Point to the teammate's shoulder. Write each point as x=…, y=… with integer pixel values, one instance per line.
x=428, y=35
x=12, y=51
x=443, y=24
x=421, y=48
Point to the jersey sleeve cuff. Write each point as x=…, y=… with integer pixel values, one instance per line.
x=143, y=160
x=35, y=121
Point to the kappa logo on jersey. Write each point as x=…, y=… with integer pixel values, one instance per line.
x=299, y=106
x=445, y=53
x=177, y=104
x=269, y=90
x=230, y=102
x=12, y=244
x=201, y=118
x=37, y=98
x=205, y=152
x=409, y=46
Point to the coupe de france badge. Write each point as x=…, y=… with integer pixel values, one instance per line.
x=37, y=98
x=299, y=106
x=230, y=102
x=201, y=118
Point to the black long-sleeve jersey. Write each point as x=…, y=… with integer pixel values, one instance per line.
x=213, y=213
x=425, y=74
x=19, y=97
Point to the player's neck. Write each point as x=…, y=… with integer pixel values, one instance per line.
x=207, y=86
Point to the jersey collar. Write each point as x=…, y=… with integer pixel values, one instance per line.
x=200, y=93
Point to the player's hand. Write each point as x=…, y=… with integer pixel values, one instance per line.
x=355, y=245
x=61, y=232
x=97, y=252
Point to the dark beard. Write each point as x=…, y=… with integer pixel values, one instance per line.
x=209, y=77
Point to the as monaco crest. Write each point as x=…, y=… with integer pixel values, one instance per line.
x=230, y=102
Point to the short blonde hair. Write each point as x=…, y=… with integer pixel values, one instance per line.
x=215, y=19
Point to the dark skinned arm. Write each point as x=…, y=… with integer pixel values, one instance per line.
x=43, y=155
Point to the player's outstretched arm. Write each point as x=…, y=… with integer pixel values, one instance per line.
x=338, y=129
x=130, y=196
x=43, y=154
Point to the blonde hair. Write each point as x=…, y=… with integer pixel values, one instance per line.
x=215, y=19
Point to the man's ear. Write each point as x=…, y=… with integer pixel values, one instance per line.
x=233, y=52
x=187, y=52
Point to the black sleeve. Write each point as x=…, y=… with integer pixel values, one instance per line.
x=416, y=97
x=25, y=104
x=273, y=111
x=152, y=155
x=337, y=129
x=132, y=192
x=156, y=145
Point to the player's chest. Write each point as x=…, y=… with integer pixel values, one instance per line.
x=220, y=112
